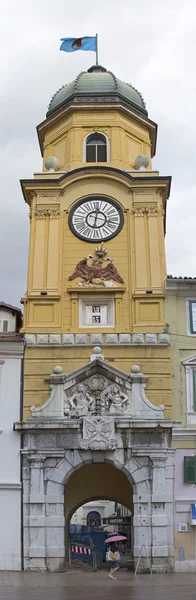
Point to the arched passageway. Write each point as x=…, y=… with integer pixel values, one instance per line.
x=97, y=481
x=93, y=482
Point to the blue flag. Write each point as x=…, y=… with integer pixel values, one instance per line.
x=73, y=44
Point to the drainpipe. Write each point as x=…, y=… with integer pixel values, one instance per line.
x=21, y=458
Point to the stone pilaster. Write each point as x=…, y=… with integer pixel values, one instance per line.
x=55, y=526
x=35, y=553
x=162, y=502
x=142, y=526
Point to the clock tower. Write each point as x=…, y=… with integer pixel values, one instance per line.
x=97, y=210
x=94, y=322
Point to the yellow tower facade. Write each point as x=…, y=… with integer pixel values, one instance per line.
x=96, y=197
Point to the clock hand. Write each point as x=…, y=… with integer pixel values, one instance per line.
x=96, y=215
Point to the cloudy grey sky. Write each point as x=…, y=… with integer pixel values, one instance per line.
x=149, y=44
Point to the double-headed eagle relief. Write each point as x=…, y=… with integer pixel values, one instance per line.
x=95, y=273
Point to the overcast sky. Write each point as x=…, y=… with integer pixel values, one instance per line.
x=149, y=44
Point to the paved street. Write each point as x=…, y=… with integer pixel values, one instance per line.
x=76, y=585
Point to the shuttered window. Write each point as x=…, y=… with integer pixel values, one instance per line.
x=194, y=389
x=5, y=326
x=192, y=312
x=189, y=469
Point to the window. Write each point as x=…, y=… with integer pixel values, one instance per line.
x=97, y=313
x=189, y=469
x=5, y=326
x=194, y=389
x=96, y=148
x=190, y=372
x=93, y=518
x=192, y=315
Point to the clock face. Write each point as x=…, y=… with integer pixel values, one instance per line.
x=96, y=218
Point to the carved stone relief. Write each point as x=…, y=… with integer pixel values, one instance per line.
x=96, y=397
x=115, y=400
x=98, y=434
x=94, y=273
x=80, y=403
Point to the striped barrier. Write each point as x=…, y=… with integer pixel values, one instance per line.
x=86, y=555
x=80, y=550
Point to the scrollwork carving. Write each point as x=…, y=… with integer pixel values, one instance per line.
x=152, y=211
x=54, y=213
x=139, y=211
x=42, y=213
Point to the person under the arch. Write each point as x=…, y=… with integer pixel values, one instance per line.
x=113, y=557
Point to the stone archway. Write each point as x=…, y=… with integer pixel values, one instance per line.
x=134, y=473
x=59, y=442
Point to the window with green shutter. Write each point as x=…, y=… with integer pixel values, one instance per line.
x=192, y=312
x=189, y=469
x=194, y=390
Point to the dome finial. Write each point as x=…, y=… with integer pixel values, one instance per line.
x=97, y=69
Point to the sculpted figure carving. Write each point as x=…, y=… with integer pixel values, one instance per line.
x=81, y=403
x=115, y=400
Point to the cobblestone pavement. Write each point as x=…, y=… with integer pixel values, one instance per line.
x=77, y=585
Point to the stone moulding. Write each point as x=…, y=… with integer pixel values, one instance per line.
x=86, y=339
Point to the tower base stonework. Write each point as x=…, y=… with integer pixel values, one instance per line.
x=97, y=415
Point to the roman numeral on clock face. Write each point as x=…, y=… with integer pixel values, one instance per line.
x=96, y=218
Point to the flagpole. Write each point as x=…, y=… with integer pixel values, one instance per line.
x=97, y=49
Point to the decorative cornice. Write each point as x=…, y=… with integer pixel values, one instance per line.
x=10, y=486
x=184, y=434
x=90, y=339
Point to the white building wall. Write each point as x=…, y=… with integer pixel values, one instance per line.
x=105, y=508
x=6, y=315
x=10, y=487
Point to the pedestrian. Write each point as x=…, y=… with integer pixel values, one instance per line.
x=113, y=558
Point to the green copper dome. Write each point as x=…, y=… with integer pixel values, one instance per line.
x=98, y=82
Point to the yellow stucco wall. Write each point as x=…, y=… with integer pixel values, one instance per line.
x=183, y=346
x=127, y=138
